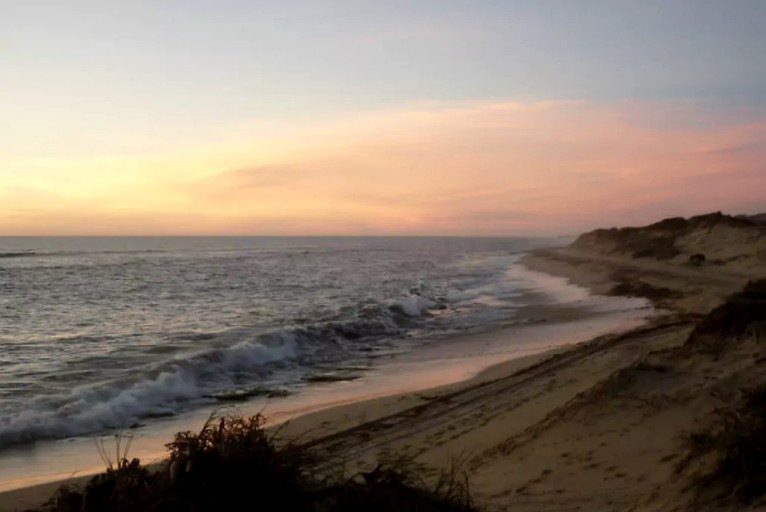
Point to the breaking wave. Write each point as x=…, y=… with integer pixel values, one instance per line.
x=190, y=379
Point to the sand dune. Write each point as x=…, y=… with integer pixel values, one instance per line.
x=597, y=427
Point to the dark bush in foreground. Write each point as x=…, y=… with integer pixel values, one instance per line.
x=234, y=464
x=736, y=445
x=230, y=457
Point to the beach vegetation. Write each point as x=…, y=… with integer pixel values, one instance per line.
x=659, y=240
x=697, y=259
x=234, y=463
x=742, y=316
x=731, y=453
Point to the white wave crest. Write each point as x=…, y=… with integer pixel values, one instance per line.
x=412, y=305
x=119, y=404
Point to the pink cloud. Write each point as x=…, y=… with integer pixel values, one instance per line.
x=493, y=168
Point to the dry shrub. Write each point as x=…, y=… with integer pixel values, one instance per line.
x=735, y=443
x=232, y=463
x=742, y=316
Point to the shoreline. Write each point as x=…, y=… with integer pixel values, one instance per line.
x=17, y=499
x=599, y=425
x=344, y=409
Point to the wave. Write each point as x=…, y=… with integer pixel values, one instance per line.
x=20, y=254
x=121, y=403
x=188, y=379
x=413, y=305
x=39, y=254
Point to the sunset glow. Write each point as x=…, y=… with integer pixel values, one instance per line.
x=420, y=164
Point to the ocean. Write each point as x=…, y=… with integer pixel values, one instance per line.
x=98, y=334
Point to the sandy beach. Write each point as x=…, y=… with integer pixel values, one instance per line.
x=407, y=380
x=595, y=426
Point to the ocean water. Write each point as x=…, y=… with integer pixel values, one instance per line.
x=104, y=333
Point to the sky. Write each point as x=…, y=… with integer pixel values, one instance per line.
x=211, y=117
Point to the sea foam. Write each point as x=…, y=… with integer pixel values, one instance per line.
x=120, y=404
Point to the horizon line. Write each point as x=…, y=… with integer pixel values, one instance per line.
x=285, y=236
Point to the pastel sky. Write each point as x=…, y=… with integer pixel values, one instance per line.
x=154, y=117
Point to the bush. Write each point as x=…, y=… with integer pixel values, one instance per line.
x=743, y=315
x=736, y=443
x=697, y=259
x=232, y=463
x=233, y=459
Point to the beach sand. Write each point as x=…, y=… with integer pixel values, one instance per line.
x=591, y=427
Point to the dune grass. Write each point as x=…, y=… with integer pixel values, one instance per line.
x=742, y=316
x=729, y=455
x=731, y=451
x=233, y=463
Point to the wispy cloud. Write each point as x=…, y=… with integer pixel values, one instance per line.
x=483, y=168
